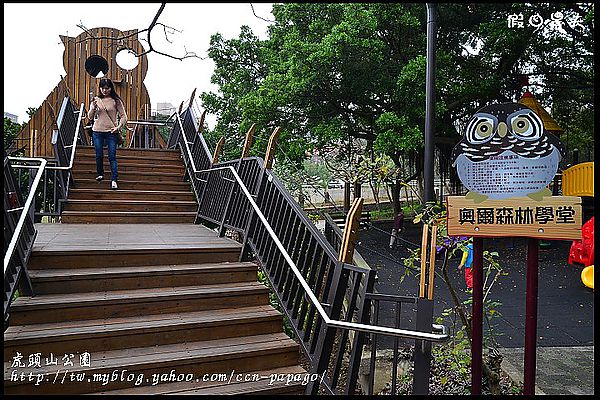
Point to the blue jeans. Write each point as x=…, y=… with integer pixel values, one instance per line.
x=100, y=138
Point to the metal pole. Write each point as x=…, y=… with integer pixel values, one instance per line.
x=430, y=102
x=531, y=316
x=477, y=317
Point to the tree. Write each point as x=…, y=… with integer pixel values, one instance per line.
x=11, y=131
x=330, y=72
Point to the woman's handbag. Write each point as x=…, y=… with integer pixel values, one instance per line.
x=88, y=128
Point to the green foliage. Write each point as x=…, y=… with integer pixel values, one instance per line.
x=319, y=171
x=11, y=130
x=329, y=71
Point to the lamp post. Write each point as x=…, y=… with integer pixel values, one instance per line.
x=430, y=101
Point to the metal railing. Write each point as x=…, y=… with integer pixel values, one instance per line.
x=18, y=233
x=301, y=266
x=53, y=177
x=57, y=176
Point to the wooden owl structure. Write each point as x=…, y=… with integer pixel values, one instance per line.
x=87, y=58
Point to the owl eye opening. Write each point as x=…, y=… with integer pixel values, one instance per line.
x=481, y=128
x=526, y=125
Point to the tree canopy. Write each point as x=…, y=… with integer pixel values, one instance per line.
x=332, y=71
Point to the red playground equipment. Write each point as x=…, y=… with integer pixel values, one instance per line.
x=582, y=252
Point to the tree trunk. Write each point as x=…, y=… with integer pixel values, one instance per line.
x=396, y=196
x=346, y=196
x=375, y=190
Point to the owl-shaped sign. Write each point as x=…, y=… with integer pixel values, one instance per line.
x=505, y=152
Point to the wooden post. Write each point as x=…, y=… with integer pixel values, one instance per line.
x=477, y=316
x=201, y=121
x=531, y=316
x=424, y=242
x=271, y=148
x=422, y=354
x=215, y=158
x=350, y=231
x=248, y=142
x=192, y=98
x=31, y=142
x=432, y=262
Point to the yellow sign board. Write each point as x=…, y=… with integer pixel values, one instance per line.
x=556, y=217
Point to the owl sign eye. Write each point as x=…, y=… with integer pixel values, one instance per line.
x=480, y=128
x=525, y=125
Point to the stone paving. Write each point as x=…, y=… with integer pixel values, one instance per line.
x=559, y=370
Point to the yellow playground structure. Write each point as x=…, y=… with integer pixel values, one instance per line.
x=578, y=180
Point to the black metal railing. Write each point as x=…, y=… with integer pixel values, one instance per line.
x=400, y=312
x=57, y=176
x=301, y=266
x=44, y=185
x=19, y=230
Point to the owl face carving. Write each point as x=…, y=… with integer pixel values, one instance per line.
x=505, y=152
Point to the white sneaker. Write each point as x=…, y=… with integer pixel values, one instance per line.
x=113, y=185
x=99, y=178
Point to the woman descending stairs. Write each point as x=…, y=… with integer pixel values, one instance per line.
x=151, y=189
x=159, y=308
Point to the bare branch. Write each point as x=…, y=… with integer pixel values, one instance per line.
x=253, y=12
x=167, y=30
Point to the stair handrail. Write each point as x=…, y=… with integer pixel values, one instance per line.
x=328, y=321
x=58, y=138
x=74, y=144
x=16, y=236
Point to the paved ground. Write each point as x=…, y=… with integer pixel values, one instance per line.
x=565, y=306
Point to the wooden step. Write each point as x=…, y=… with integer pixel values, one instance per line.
x=130, y=176
x=81, y=165
x=264, y=382
x=122, y=303
x=131, y=205
x=146, y=153
x=96, y=335
x=128, y=158
x=220, y=356
x=127, y=194
x=89, y=182
x=211, y=250
x=126, y=217
x=74, y=280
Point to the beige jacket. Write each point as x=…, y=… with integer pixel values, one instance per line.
x=102, y=120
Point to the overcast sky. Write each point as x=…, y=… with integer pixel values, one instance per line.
x=33, y=51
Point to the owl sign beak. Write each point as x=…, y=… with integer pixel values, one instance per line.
x=502, y=129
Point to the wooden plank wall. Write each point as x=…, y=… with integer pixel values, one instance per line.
x=78, y=83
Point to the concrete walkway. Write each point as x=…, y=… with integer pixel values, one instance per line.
x=559, y=370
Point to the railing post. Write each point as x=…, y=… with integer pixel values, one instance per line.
x=218, y=148
x=271, y=148
x=327, y=334
x=364, y=310
x=201, y=122
x=422, y=356
x=248, y=141
x=228, y=202
x=244, y=256
x=350, y=231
